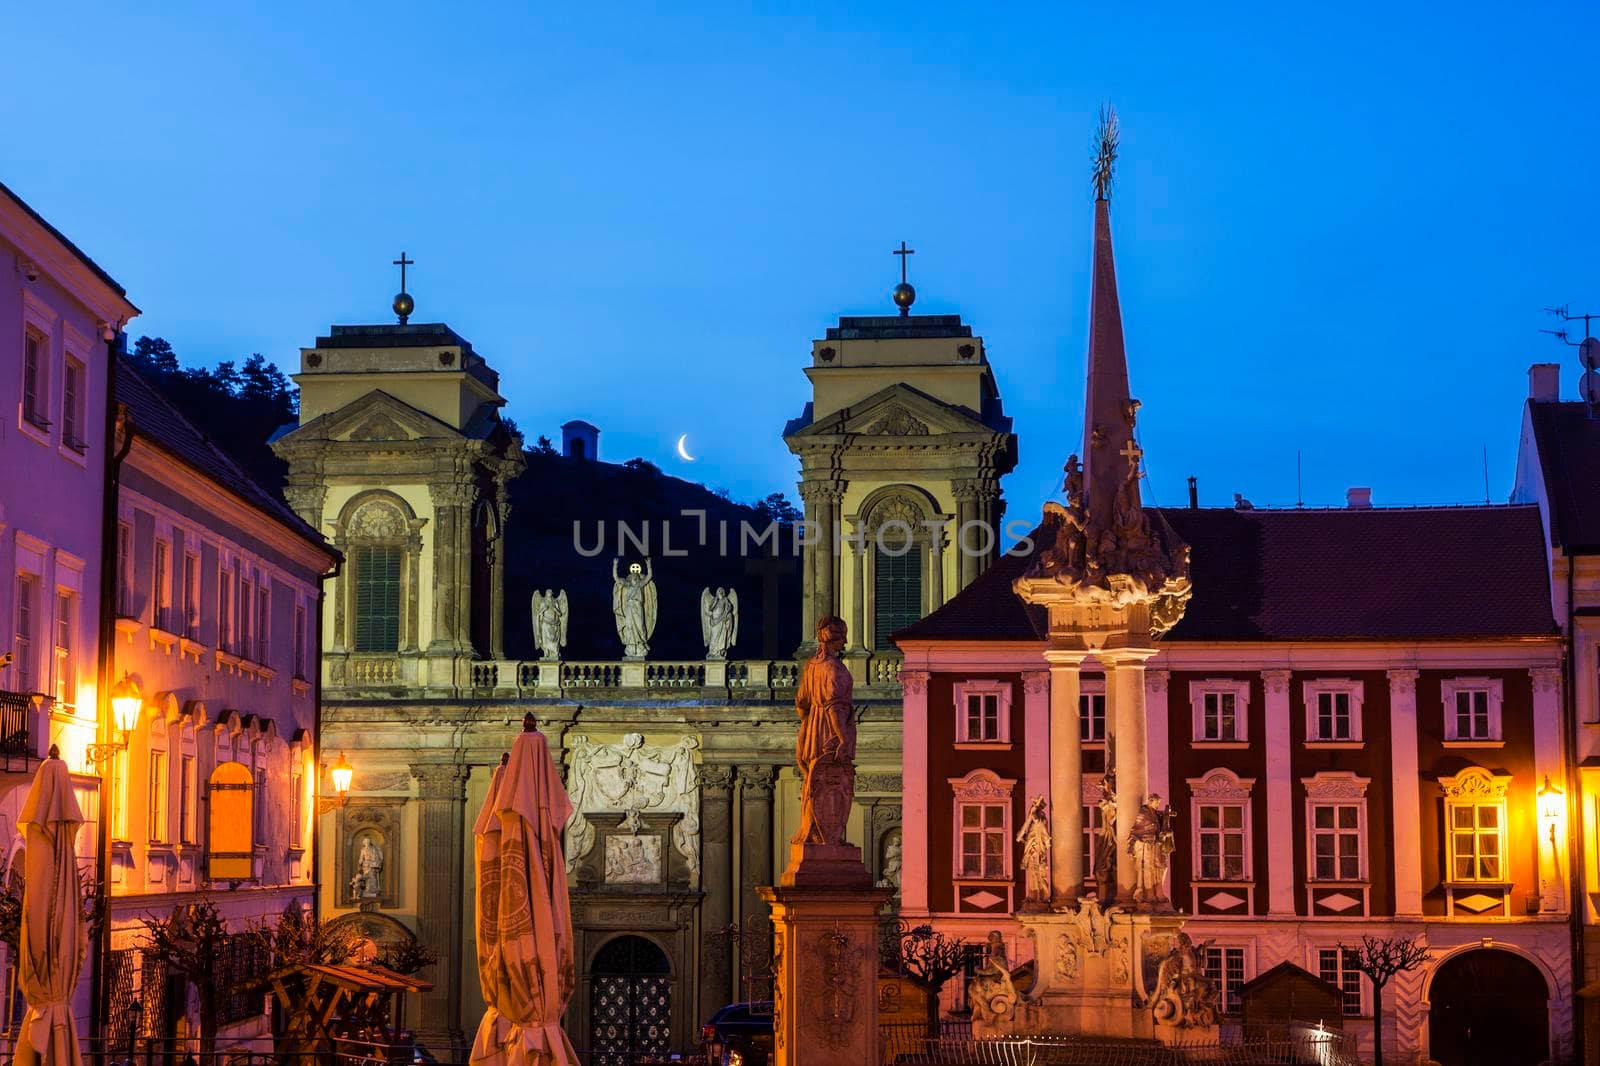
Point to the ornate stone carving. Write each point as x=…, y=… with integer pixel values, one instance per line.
x=382, y=781
x=991, y=993
x=441, y=781
x=550, y=623
x=633, y=603
x=633, y=859
x=898, y=509
x=1184, y=997
x=632, y=778
x=1545, y=678
x=834, y=1007
x=719, y=621
x=878, y=782
x=889, y=875
x=716, y=776
x=896, y=421
x=757, y=780
x=1068, y=962
x=1151, y=844
x=1091, y=928
x=367, y=884
x=914, y=682
x=1035, y=840
x=1403, y=682
x=1474, y=783
x=379, y=426
x=1335, y=784
x=1035, y=683
x=377, y=520
x=1222, y=786
x=1275, y=680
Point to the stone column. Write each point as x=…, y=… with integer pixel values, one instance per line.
x=1405, y=793
x=716, y=881
x=827, y=514
x=341, y=589
x=755, y=842
x=1125, y=701
x=966, y=539
x=1279, y=867
x=1066, y=775
x=441, y=823
x=412, y=563
x=450, y=598
x=858, y=590
x=808, y=566
x=1547, y=764
x=936, y=568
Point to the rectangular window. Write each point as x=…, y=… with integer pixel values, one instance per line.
x=300, y=641
x=1475, y=842
x=191, y=595
x=296, y=804
x=896, y=588
x=66, y=681
x=225, y=609
x=35, y=379
x=247, y=605
x=188, y=795
x=1333, y=716
x=1220, y=719
x=1336, y=841
x=1092, y=717
x=158, y=797
x=27, y=604
x=162, y=590
x=1225, y=966
x=983, y=840
x=983, y=716
x=1221, y=830
x=1091, y=837
x=1472, y=714
x=124, y=570
x=263, y=622
x=72, y=383
x=1337, y=967
x=377, y=599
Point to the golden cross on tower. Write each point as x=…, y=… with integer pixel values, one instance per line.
x=1105, y=153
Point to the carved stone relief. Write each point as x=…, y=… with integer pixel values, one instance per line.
x=372, y=826
x=633, y=778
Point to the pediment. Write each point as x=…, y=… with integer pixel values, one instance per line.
x=898, y=411
x=376, y=417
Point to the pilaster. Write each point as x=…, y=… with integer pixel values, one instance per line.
x=441, y=822
x=1547, y=764
x=914, y=820
x=1405, y=793
x=1279, y=793
x=716, y=880
x=755, y=840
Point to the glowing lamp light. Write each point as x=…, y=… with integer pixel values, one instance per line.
x=126, y=703
x=342, y=773
x=1551, y=808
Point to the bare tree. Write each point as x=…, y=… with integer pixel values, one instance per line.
x=193, y=940
x=925, y=957
x=1380, y=959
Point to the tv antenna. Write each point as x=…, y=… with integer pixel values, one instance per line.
x=1588, y=351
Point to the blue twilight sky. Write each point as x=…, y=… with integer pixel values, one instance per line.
x=1336, y=225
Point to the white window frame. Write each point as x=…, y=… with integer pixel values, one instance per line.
x=159, y=798
x=1088, y=693
x=1337, y=788
x=1240, y=690
x=1475, y=787
x=1001, y=690
x=300, y=661
x=161, y=584
x=1222, y=788
x=124, y=569
x=1448, y=690
x=39, y=319
x=64, y=647
x=26, y=646
x=1312, y=693
x=75, y=407
x=1246, y=956
x=1345, y=973
x=982, y=788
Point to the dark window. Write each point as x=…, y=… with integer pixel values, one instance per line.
x=578, y=450
x=377, y=599
x=897, y=592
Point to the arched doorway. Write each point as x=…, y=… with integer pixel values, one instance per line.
x=630, y=1013
x=1488, y=1007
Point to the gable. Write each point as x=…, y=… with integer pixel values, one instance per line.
x=376, y=417
x=897, y=411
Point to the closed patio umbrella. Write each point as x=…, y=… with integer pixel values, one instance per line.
x=54, y=937
x=524, y=917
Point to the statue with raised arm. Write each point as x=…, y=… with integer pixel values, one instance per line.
x=825, y=750
x=719, y=621
x=1035, y=840
x=549, y=623
x=633, y=602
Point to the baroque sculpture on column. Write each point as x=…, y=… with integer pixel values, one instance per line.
x=1151, y=844
x=825, y=750
x=719, y=621
x=633, y=602
x=550, y=623
x=1035, y=840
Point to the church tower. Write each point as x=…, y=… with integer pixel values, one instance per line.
x=402, y=460
x=901, y=449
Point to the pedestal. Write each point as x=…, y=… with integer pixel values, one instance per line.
x=825, y=958
x=550, y=675
x=832, y=866
x=716, y=673
x=633, y=673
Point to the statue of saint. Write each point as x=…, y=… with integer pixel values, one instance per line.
x=1035, y=840
x=992, y=992
x=633, y=602
x=550, y=623
x=891, y=863
x=1184, y=996
x=825, y=751
x=368, y=880
x=1105, y=853
x=719, y=621
x=1151, y=843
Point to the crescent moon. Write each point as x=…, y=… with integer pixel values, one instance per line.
x=683, y=453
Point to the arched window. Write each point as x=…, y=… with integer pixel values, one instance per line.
x=381, y=545
x=901, y=547
x=232, y=823
x=377, y=598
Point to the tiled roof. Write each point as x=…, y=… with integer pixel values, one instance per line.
x=1380, y=574
x=1569, y=455
x=154, y=417
x=96, y=268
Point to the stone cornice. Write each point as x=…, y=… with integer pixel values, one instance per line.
x=441, y=781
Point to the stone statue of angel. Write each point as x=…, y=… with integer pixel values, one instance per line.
x=550, y=623
x=719, y=621
x=633, y=602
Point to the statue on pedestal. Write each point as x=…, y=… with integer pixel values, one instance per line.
x=1184, y=997
x=1035, y=840
x=1151, y=843
x=367, y=884
x=719, y=621
x=633, y=602
x=550, y=623
x=1105, y=848
x=825, y=750
x=992, y=993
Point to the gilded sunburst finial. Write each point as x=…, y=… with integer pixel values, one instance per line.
x=1105, y=151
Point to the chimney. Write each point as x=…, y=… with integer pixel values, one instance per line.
x=1358, y=498
x=1544, y=382
x=1194, y=493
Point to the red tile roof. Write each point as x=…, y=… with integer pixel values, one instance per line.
x=1263, y=575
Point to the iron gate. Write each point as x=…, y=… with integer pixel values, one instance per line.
x=630, y=1014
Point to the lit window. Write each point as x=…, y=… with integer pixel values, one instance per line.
x=1336, y=842
x=158, y=797
x=296, y=801
x=983, y=840
x=27, y=604
x=65, y=671
x=72, y=385
x=1475, y=817
x=1337, y=967
x=983, y=712
x=1219, y=709
x=1222, y=844
x=188, y=786
x=35, y=379
x=1092, y=717
x=1091, y=837
x=231, y=833
x=1472, y=710
x=1225, y=966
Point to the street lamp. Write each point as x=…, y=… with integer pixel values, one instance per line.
x=1551, y=808
x=342, y=773
x=126, y=704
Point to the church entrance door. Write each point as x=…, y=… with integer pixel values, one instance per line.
x=630, y=1013
x=1488, y=1008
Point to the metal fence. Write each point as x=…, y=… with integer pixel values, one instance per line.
x=1294, y=1044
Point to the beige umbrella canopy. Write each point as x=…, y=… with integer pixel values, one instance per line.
x=54, y=937
x=524, y=929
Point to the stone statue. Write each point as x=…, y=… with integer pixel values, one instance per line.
x=1151, y=843
x=825, y=750
x=550, y=623
x=368, y=880
x=992, y=993
x=1184, y=997
x=1105, y=853
x=719, y=621
x=633, y=602
x=1035, y=840
x=891, y=863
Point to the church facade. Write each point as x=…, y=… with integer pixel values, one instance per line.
x=678, y=758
